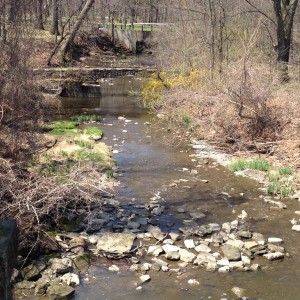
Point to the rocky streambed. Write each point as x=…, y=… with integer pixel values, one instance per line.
x=135, y=237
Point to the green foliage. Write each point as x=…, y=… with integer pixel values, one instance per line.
x=256, y=164
x=259, y=164
x=93, y=131
x=84, y=144
x=238, y=165
x=60, y=128
x=89, y=155
x=279, y=183
x=285, y=171
x=86, y=118
x=186, y=120
x=109, y=173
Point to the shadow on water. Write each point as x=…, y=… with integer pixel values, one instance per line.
x=149, y=168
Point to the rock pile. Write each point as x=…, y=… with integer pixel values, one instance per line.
x=226, y=247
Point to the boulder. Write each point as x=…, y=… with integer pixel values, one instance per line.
x=25, y=285
x=119, y=243
x=59, y=291
x=186, y=256
x=203, y=258
x=77, y=245
x=33, y=271
x=155, y=250
x=203, y=248
x=70, y=279
x=189, y=244
x=60, y=265
x=231, y=252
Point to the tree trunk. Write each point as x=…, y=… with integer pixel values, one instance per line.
x=39, y=15
x=55, y=17
x=285, y=12
x=82, y=15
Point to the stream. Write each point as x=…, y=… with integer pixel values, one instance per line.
x=148, y=168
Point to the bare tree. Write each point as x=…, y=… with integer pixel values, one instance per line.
x=67, y=48
x=55, y=17
x=39, y=15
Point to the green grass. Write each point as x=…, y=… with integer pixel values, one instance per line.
x=259, y=164
x=93, y=131
x=285, y=171
x=109, y=173
x=89, y=155
x=60, y=128
x=238, y=165
x=186, y=120
x=256, y=164
x=86, y=118
x=84, y=144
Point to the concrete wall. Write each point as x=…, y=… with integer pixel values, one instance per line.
x=130, y=38
x=8, y=254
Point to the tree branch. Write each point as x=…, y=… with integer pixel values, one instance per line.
x=260, y=11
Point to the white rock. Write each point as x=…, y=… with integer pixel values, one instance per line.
x=174, y=236
x=145, y=278
x=203, y=248
x=246, y=260
x=243, y=215
x=146, y=267
x=224, y=269
x=164, y=268
x=155, y=250
x=186, y=256
x=114, y=268
x=236, y=265
x=193, y=282
x=273, y=256
x=239, y=292
x=211, y=266
x=250, y=244
x=71, y=279
x=223, y=262
x=189, y=244
x=170, y=248
x=296, y=228
x=121, y=118
x=236, y=243
x=275, y=240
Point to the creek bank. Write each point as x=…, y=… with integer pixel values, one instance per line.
x=206, y=151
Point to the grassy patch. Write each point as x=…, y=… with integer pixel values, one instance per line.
x=109, y=173
x=89, y=155
x=256, y=164
x=285, y=171
x=94, y=132
x=60, y=128
x=86, y=118
x=84, y=144
x=280, y=181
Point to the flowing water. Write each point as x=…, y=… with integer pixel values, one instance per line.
x=147, y=168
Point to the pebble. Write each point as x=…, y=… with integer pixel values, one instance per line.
x=296, y=228
x=193, y=282
x=239, y=292
x=275, y=240
x=114, y=268
x=145, y=278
